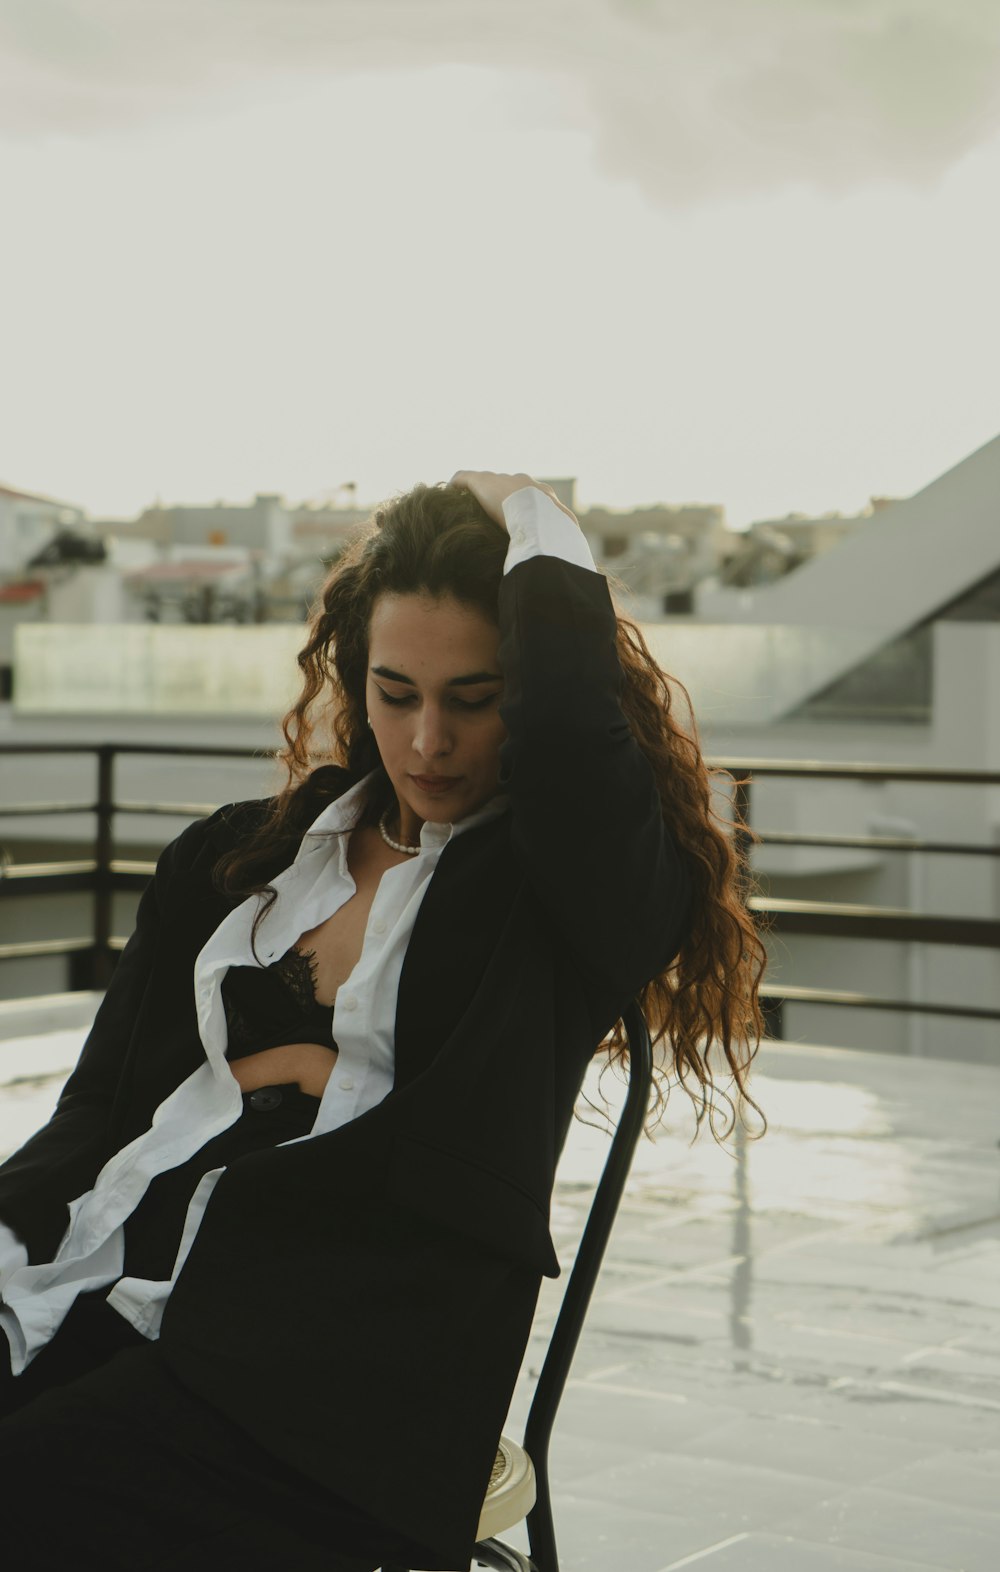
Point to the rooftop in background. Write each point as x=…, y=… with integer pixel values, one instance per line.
x=791, y=1360
x=13, y=494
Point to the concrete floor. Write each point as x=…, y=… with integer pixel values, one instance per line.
x=792, y=1360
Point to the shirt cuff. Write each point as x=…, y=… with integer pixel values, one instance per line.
x=13, y=1254
x=538, y=528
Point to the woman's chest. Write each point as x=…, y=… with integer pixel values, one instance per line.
x=335, y=945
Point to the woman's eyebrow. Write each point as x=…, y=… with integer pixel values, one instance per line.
x=467, y=681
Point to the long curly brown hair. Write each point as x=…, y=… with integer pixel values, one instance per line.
x=439, y=540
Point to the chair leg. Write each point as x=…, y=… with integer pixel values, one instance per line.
x=502, y=1558
x=541, y=1530
x=489, y=1553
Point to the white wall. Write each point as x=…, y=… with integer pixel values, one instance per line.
x=85, y=593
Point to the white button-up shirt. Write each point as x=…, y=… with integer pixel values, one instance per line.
x=315, y=885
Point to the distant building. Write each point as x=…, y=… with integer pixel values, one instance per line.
x=322, y=530
x=658, y=553
x=326, y=527
x=28, y=522
x=261, y=525
x=195, y=589
x=770, y=548
x=238, y=563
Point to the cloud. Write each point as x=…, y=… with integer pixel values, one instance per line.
x=689, y=99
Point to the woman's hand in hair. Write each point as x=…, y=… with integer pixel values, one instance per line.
x=492, y=491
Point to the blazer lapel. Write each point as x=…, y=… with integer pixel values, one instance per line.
x=454, y=936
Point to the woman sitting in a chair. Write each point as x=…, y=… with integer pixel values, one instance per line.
x=268, y=1273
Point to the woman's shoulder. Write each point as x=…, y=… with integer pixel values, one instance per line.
x=270, y=824
x=228, y=827
x=238, y=823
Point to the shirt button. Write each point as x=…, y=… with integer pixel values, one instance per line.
x=266, y=1098
x=378, y=926
x=346, y=1083
x=519, y=536
x=350, y=1002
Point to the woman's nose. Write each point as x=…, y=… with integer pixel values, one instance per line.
x=432, y=737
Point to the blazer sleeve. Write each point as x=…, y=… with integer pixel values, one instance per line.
x=62, y=1160
x=587, y=823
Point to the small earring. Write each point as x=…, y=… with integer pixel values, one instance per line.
x=368, y=719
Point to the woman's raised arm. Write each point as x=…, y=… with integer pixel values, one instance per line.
x=587, y=821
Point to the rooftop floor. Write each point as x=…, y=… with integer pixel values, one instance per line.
x=792, y=1359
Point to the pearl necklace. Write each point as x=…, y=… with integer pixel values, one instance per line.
x=411, y=851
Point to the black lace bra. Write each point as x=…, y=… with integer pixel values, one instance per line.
x=270, y=1005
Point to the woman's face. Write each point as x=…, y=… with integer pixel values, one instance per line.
x=433, y=688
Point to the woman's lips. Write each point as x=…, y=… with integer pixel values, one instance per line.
x=435, y=784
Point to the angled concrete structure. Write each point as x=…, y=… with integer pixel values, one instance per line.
x=769, y=649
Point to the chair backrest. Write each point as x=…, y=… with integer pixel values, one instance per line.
x=579, y=1288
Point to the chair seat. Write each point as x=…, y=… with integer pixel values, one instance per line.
x=510, y=1495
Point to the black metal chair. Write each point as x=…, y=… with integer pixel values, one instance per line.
x=520, y=1484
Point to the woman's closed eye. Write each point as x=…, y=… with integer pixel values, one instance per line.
x=462, y=704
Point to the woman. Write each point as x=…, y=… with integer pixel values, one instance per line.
x=308, y=1196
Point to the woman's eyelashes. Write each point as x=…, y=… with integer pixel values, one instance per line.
x=461, y=704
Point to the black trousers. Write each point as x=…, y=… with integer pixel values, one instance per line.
x=107, y=1460
x=125, y=1469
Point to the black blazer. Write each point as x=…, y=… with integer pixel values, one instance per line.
x=410, y=1242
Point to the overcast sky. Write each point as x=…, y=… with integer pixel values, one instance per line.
x=736, y=251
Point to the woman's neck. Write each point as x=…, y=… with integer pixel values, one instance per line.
x=407, y=824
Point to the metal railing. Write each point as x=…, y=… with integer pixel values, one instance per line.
x=834, y=919
x=103, y=874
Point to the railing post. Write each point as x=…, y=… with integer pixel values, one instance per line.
x=774, y=1018
x=102, y=964
x=774, y=1009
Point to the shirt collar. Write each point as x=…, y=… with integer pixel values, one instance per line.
x=343, y=814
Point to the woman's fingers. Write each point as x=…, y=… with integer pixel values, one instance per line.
x=492, y=490
x=489, y=489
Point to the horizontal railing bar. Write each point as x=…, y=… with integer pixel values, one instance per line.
x=201, y=750
x=875, y=843
x=793, y=994
x=183, y=810
x=811, y=768
x=30, y=871
x=33, y=947
x=57, y=877
x=200, y=810
x=790, y=916
x=130, y=868
x=41, y=883
x=876, y=922
x=790, y=993
x=803, y=768
x=13, y=810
